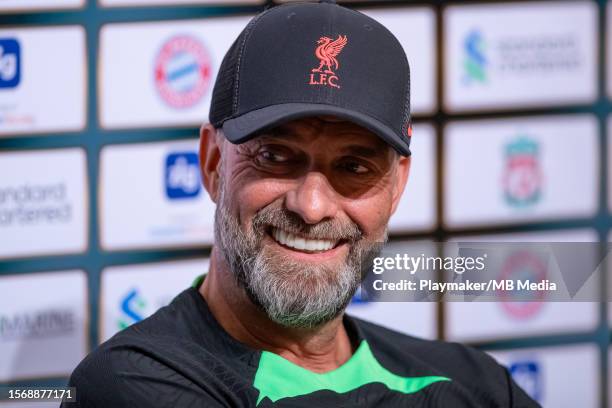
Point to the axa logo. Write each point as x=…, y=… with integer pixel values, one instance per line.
x=10, y=63
x=475, y=61
x=132, y=308
x=182, y=176
x=327, y=52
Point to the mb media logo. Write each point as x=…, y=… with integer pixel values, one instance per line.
x=528, y=375
x=10, y=63
x=475, y=60
x=132, y=306
x=182, y=175
x=522, y=178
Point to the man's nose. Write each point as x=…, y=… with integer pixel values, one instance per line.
x=313, y=198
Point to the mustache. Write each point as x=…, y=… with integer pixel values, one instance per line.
x=281, y=218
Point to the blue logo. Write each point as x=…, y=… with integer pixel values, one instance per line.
x=10, y=63
x=475, y=60
x=528, y=376
x=362, y=296
x=182, y=175
x=132, y=306
x=359, y=297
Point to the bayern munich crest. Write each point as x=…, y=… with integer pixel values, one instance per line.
x=182, y=71
x=523, y=265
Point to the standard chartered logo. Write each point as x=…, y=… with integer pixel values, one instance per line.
x=475, y=61
x=34, y=204
x=132, y=308
x=498, y=57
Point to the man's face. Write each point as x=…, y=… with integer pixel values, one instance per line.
x=300, y=208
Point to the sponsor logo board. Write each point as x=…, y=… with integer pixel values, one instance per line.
x=43, y=196
x=25, y=5
x=29, y=94
x=415, y=28
x=518, y=315
x=564, y=376
x=159, y=202
x=43, y=324
x=550, y=58
x=416, y=210
x=527, y=169
x=130, y=293
x=161, y=74
x=119, y=3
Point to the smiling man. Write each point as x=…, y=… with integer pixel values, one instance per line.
x=306, y=157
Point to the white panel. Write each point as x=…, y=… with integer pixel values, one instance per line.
x=44, y=333
x=112, y=3
x=412, y=318
x=609, y=281
x=514, y=55
x=609, y=51
x=480, y=321
x=23, y=5
x=609, y=137
x=43, y=196
x=525, y=169
x=417, y=208
x=151, y=196
x=131, y=293
x=161, y=74
x=38, y=68
x=415, y=28
x=24, y=404
x=556, y=377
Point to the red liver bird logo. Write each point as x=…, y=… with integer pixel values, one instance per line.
x=327, y=51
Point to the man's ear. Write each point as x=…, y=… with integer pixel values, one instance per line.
x=403, y=171
x=210, y=159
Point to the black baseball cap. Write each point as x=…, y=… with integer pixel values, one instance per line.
x=306, y=59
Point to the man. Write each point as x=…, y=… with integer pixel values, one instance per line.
x=306, y=157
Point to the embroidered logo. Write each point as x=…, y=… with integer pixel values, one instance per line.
x=327, y=51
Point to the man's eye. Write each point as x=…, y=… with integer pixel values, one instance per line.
x=355, y=167
x=272, y=157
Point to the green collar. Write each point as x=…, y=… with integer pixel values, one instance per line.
x=278, y=378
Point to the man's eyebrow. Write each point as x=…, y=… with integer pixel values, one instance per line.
x=365, y=151
x=277, y=132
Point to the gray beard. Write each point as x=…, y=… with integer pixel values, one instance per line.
x=292, y=294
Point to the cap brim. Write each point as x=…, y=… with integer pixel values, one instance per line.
x=242, y=128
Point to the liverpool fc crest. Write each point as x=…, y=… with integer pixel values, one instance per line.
x=327, y=51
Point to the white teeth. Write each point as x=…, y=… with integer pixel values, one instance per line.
x=301, y=243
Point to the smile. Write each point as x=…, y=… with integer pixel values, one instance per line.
x=300, y=243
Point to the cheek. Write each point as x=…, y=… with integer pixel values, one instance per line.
x=371, y=214
x=250, y=197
